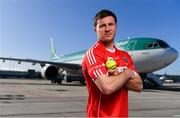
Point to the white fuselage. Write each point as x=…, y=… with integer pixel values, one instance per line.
x=149, y=60
x=152, y=60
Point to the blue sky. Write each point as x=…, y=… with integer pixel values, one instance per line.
x=27, y=25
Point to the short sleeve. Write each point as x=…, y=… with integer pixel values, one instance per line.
x=95, y=63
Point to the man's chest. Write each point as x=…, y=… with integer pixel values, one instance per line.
x=120, y=58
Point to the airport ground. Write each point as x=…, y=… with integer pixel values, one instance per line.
x=39, y=98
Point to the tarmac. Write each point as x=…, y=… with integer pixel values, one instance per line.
x=39, y=98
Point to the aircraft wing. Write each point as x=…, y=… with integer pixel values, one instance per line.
x=65, y=66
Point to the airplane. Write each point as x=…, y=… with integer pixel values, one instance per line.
x=148, y=54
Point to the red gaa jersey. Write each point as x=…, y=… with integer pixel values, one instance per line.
x=93, y=65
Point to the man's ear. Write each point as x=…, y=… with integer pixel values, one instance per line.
x=95, y=29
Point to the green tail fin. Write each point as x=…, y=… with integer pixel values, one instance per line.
x=54, y=56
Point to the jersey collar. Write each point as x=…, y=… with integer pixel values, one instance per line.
x=112, y=51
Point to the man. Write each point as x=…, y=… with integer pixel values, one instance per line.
x=108, y=89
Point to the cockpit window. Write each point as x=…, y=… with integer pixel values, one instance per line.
x=150, y=45
x=162, y=44
x=158, y=44
x=153, y=45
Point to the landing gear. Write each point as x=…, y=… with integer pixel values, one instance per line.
x=56, y=80
x=59, y=79
x=53, y=81
x=76, y=78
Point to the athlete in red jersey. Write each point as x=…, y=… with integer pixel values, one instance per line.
x=108, y=89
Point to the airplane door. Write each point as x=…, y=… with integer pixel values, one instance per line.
x=131, y=46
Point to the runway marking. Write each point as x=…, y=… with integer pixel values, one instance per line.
x=42, y=114
x=177, y=116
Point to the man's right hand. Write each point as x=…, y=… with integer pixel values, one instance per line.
x=130, y=73
x=135, y=81
x=113, y=72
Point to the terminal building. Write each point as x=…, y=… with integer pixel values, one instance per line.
x=29, y=74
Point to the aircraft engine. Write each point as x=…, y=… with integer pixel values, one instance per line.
x=49, y=72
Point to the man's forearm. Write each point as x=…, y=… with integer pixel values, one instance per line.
x=110, y=84
x=119, y=80
x=134, y=84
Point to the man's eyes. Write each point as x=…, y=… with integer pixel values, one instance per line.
x=105, y=25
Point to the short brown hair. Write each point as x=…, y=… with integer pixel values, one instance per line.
x=102, y=14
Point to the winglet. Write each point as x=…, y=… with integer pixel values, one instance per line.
x=54, y=56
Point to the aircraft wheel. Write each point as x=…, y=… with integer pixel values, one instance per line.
x=59, y=81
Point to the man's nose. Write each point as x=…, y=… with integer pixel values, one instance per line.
x=107, y=28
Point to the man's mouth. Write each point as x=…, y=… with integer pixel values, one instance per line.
x=108, y=35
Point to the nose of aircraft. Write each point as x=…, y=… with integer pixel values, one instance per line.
x=172, y=55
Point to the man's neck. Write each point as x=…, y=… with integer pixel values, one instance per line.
x=108, y=44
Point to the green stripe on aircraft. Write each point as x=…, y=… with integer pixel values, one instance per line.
x=134, y=44
x=130, y=44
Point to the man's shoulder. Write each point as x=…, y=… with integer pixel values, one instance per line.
x=95, y=52
x=96, y=47
x=123, y=52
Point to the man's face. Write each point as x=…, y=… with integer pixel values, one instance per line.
x=106, y=28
